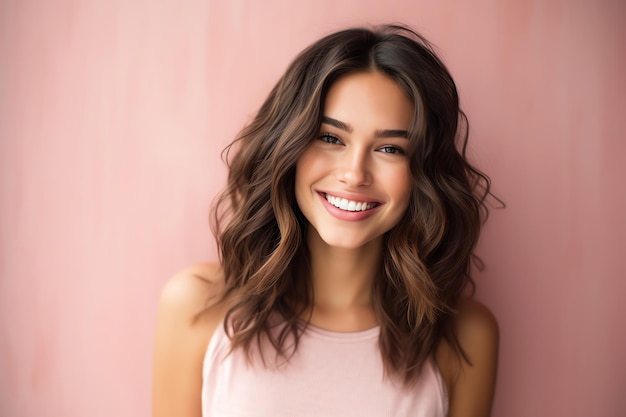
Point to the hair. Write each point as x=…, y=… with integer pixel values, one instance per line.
x=427, y=258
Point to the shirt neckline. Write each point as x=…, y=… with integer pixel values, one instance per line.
x=314, y=330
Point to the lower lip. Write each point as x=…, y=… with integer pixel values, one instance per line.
x=347, y=215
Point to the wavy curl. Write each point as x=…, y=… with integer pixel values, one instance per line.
x=260, y=229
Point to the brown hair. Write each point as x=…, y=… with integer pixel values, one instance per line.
x=260, y=229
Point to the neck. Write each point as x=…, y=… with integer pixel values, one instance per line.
x=342, y=281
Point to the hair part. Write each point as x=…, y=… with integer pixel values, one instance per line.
x=260, y=229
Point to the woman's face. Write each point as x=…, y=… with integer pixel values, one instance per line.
x=353, y=183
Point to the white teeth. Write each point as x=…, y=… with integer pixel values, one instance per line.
x=349, y=205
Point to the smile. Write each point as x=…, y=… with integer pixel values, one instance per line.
x=349, y=205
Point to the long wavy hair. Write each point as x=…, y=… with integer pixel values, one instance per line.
x=427, y=260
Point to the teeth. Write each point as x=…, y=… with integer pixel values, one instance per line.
x=349, y=205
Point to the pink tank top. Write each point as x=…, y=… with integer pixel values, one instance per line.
x=331, y=374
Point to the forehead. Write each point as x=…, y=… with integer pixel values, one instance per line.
x=369, y=99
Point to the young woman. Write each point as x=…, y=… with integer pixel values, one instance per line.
x=346, y=234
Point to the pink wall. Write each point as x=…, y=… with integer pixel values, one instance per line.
x=112, y=116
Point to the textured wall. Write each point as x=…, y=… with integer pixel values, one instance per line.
x=112, y=118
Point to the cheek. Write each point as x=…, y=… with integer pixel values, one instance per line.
x=302, y=170
x=299, y=185
x=313, y=165
x=399, y=185
x=304, y=177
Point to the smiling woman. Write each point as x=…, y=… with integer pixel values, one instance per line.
x=353, y=184
x=346, y=232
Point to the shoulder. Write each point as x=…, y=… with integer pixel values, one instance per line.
x=191, y=304
x=471, y=382
x=190, y=309
x=193, y=288
x=476, y=326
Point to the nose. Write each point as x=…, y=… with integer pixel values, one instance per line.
x=354, y=168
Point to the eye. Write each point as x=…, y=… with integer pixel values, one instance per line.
x=331, y=139
x=390, y=149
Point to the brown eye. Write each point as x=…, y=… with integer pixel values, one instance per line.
x=331, y=139
x=392, y=150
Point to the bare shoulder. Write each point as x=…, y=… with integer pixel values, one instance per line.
x=190, y=309
x=471, y=383
x=476, y=325
x=194, y=288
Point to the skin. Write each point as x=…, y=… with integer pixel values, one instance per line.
x=356, y=161
x=359, y=156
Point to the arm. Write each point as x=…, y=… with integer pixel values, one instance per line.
x=181, y=340
x=471, y=386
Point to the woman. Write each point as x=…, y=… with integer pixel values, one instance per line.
x=346, y=233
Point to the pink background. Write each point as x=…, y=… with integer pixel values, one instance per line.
x=112, y=118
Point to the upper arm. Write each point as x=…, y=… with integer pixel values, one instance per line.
x=180, y=343
x=471, y=385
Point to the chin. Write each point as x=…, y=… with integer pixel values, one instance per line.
x=343, y=240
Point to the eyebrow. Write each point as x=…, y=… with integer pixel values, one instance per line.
x=386, y=133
